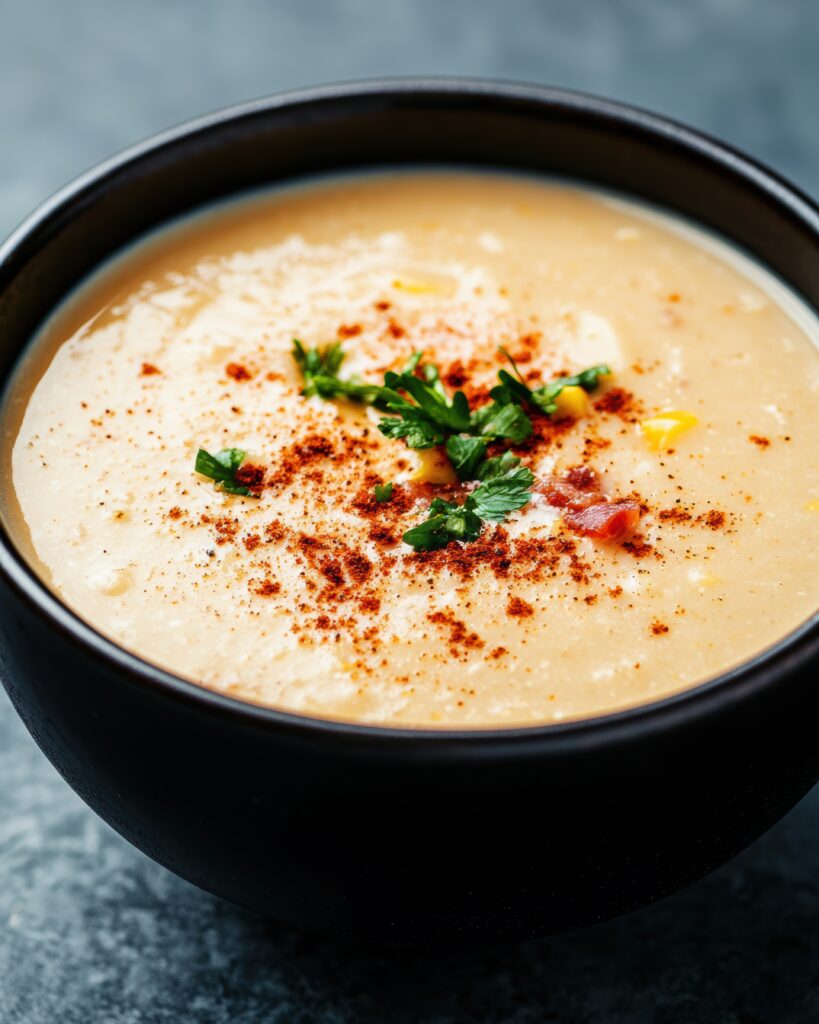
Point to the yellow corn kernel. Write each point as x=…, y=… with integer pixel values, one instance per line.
x=703, y=579
x=433, y=467
x=813, y=506
x=416, y=287
x=661, y=431
x=572, y=401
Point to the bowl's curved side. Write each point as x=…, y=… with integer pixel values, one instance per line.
x=359, y=830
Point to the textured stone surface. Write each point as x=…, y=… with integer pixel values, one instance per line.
x=90, y=930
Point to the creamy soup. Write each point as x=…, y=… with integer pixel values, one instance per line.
x=630, y=508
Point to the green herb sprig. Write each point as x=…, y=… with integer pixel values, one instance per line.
x=504, y=490
x=514, y=389
x=222, y=468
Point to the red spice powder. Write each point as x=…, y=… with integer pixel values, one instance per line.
x=619, y=402
x=678, y=514
x=176, y=512
x=266, y=587
x=759, y=441
x=584, y=478
x=301, y=457
x=383, y=536
x=715, y=519
x=148, y=370
x=251, y=476
x=313, y=448
x=523, y=351
x=331, y=570
x=459, y=636
x=545, y=433
x=638, y=547
x=455, y=375
x=358, y=566
x=274, y=531
x=349, y=330
x=238, y=372
x=519, y=608
x=659, y=628
x=226, y=527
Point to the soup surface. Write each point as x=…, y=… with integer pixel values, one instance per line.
x=660, y=526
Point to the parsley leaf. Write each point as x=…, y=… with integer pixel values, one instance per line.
x=498, y=465
x=506, y=488
x=446, y=522
x=468, y=457
x=319, y=367
x=450, y=415
x=466, y=454
x=431, y=417
x=414, y=427
x=502, y=493
x=221, y=468
x=383, y=492
x=502, y=420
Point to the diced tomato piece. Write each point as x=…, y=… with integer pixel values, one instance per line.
x=605, y=520
x=575, y=489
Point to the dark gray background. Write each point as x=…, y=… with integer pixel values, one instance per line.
x=90, y=930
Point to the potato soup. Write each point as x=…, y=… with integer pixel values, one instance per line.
x=426, y=448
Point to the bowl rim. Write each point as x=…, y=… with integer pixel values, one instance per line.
x=793, y=651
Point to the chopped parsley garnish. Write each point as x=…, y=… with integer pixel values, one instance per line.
x=316, y=365
x=424, y=415
x=431, y=418
x=319, y=368
x=445, y=522
x=222, y=468
x=501, y=420
x=502, y=492
x=498, y=465
x=465, y=454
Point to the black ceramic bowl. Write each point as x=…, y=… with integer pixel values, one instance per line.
x=412, y=835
